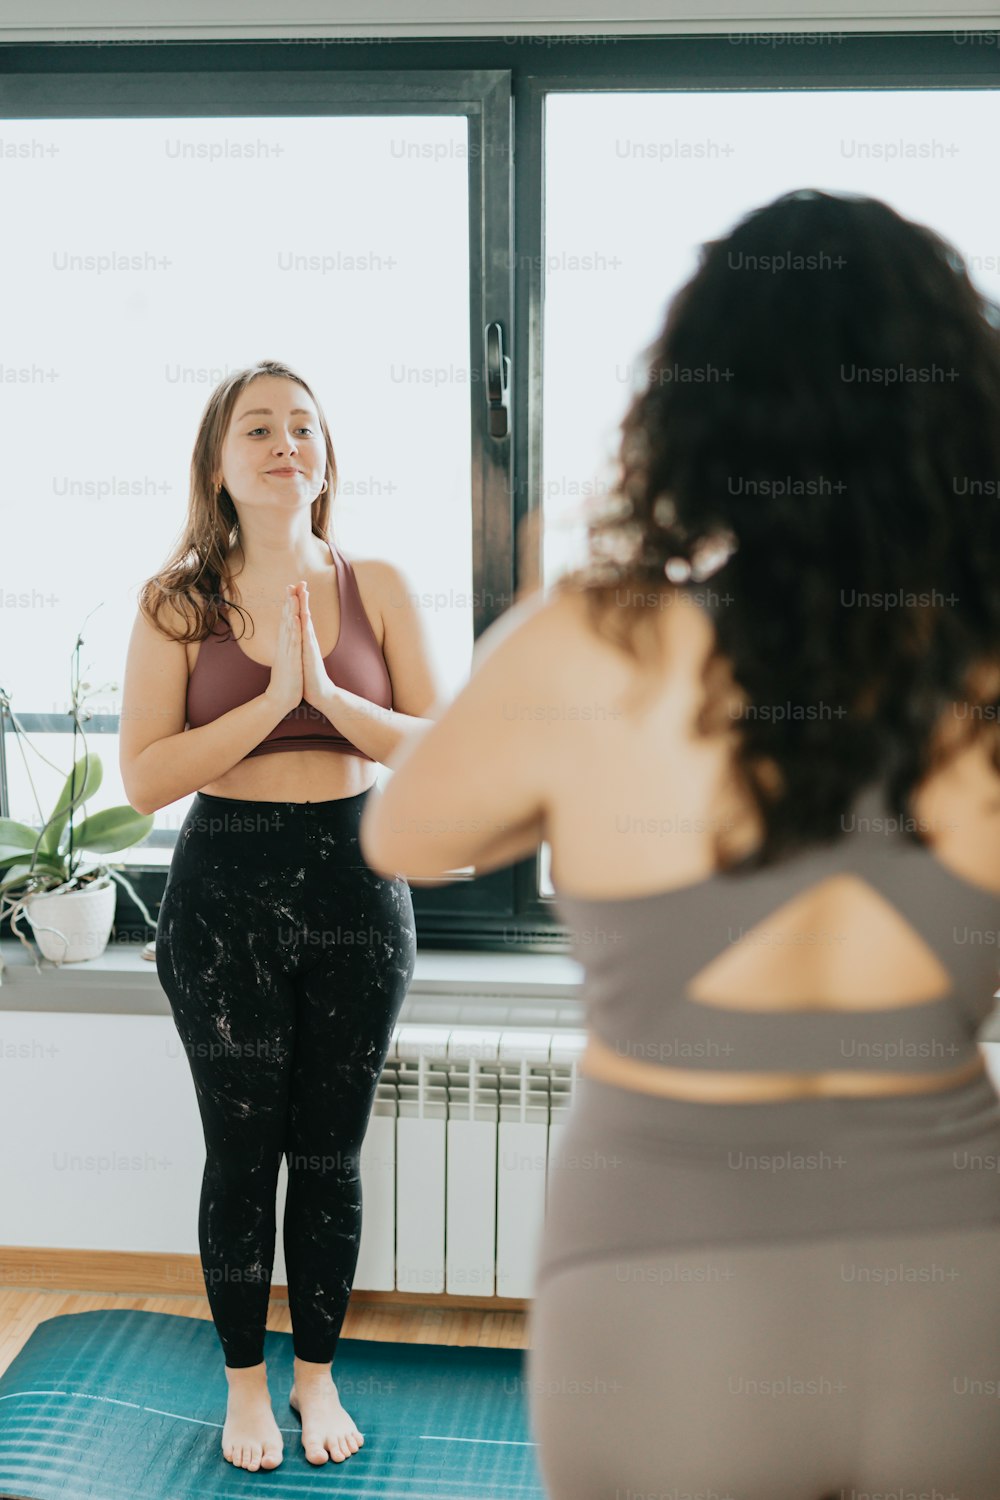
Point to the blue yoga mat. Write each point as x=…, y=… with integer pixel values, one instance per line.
x=125, y=1405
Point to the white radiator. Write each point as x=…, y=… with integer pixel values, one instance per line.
x=454, y=1164
x=101, y=1145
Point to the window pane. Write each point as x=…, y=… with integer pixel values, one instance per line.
x=665, y=172
x=154, y=256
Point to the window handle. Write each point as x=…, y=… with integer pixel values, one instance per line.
x=497, y=382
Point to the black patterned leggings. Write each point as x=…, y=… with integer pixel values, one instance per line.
x=285, y=959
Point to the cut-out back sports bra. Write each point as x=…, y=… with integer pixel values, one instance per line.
x=640, y=954
x=224, y=677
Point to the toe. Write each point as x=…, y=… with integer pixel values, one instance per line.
x=272, y=1456
x=255, y=1456
x=317, y=1454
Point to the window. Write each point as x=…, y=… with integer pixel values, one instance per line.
x=339, y=245
x=671, y=170
x=358, y=211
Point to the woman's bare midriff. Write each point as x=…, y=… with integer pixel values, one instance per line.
x=957, y=807
x=602, y=1062
x=296, y=775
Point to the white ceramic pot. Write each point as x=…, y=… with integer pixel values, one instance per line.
x=74, y=925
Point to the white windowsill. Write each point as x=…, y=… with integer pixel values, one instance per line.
x=461, y=989
x=481, y=989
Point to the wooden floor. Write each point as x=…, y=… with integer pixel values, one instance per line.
x=23, y=1308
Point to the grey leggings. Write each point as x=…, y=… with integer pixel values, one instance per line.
x=864, y=1366
x=779, y=1301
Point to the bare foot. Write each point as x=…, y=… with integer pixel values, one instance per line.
x=328, y=1431
x=250, y=1438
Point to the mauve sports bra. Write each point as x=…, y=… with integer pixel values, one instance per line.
x=641, y=953
x=224, y=677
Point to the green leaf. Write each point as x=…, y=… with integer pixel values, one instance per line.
x=113, y=828
x=17, y=873
x=15, y=839
x=74, y=781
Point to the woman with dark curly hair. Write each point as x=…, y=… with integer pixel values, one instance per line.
x=760, y=738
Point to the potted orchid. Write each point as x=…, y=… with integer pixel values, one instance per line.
x=54, y=875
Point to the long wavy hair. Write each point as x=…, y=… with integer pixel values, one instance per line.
x=192, y=578
x=825, y=392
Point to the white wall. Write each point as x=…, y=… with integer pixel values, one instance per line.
x=208, y=20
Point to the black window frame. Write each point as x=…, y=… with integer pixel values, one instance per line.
x=501, y=83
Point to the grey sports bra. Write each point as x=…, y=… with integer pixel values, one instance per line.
x=640, y=953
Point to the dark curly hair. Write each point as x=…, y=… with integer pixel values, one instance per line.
x=826, y=392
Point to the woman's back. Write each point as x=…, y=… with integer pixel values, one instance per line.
x=655, y=798
x=811, y=935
